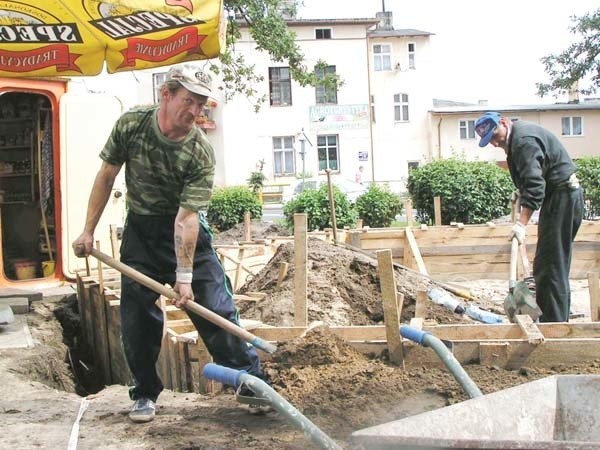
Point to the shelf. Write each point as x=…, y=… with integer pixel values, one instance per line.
x=15, y=147
x=10, y=175
x=16, y=120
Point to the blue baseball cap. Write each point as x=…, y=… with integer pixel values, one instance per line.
x=485, y=127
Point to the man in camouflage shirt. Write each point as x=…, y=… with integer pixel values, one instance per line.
x=169, y=172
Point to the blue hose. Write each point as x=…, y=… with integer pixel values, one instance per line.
x=428, y=340
x=263, y=391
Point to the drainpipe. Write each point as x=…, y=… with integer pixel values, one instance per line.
x=369, y=106
x=439, y=138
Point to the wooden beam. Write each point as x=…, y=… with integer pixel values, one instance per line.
x=408, y=211
x=421, y=304
x=391, y=313
x=300, y=269
x=283, y=269
x=533, y=333
x=414, y=250
x=594, y=288
x=437, y=209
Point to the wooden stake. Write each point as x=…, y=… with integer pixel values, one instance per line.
x=594, y=289
x=437, y=208
x=247, y=233
x=409, y=212
x=300, y=270
x=390, y=306
x=421, y=304
x=283, y=268
x=332, y=206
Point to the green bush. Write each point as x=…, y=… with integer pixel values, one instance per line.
x=588, y=172
x=228, y=205
x=378, y=207
x=471, y=192
x=315, y=203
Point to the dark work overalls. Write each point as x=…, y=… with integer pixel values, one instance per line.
x=147, y=246
x=542, y=169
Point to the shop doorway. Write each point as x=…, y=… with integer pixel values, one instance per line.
x=27, y=197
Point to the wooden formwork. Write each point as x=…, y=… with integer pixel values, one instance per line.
x=442, y=251
x=470, y=252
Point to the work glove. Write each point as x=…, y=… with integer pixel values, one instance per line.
x=518, y=231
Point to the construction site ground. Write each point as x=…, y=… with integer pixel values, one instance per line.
x=45, y=388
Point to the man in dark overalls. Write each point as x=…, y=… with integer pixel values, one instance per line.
x=544, y=174
x=169, y=171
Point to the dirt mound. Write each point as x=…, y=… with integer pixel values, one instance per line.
x=342, y=289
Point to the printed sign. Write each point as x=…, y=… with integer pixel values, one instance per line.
x=338, y=117
x=363, y=156
x=76, y=37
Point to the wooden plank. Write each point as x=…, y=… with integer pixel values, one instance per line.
x=594, y=288
x=300, y=270
x=437, y=209
x=390, y=308
x=408, y=211
x=283, y=270
x=414, y=250
x=421, y=304
x=494, y=353
x=533, y=333
x=101, y=348
x=118, y=364
x=454, y=332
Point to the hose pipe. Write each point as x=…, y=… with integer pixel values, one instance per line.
x=428, y=340
x=264, y=392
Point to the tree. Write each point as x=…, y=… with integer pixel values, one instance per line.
x=567, y=69
x=266, y=21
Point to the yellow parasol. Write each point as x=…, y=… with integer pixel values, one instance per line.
x=76, y=37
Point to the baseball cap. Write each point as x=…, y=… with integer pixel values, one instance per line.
x=192, y=78
x=485, y=127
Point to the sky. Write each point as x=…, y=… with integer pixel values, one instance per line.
x=482, y=50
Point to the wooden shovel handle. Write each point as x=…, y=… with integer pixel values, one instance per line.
x=194, y=307
x=514, y=253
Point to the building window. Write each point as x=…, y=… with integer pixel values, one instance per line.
x=280, y=86
x=157, y=81
x=382, y=57
x=412, y=165
x=327, y=150
x=466, y=129
x=411, y=55
x=283, y=156
x=572, y=126
x=401, y=107
x=373, y=108
x=322, y=33
x=325, y=94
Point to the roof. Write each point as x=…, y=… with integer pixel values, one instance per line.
x=585, y=105
x=399, y=33
x=323, y=22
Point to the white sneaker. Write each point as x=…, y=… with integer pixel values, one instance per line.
x=143, y=410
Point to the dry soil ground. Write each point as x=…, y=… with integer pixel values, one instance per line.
x=337, y=388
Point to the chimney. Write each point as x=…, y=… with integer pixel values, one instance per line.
x=574, y=93
x=385, y=20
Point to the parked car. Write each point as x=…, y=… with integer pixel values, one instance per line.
x=352, y=189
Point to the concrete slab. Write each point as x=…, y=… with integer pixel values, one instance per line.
x=6, y=315
x=16, y=334
x=556, y=412
x=32, y=295
x=58, y=293
x=19, y=305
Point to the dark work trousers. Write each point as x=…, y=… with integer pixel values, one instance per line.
x=560, y=217
x=147, y=246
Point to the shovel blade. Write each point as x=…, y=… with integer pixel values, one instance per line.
x=521, y=302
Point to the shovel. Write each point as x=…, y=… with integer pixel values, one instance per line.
x=520, y=300
x=193, y=307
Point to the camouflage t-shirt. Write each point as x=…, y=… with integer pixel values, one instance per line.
x=161, y=175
